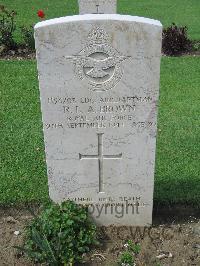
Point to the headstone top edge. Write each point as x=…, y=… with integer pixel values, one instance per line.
x=97, y=17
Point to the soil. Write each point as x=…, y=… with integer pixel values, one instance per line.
x=20, y=54
x=177, y=243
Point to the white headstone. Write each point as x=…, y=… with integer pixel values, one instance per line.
x=97, y=6
x=99, y=86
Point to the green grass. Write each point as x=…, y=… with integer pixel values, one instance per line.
x=22, y=165
x=182, y=12
x=178, y=145
x=23, y=171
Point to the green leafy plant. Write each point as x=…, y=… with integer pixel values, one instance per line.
x=134, y=247
x=60, y=235
x=175, y=40
x=7, y=28
x=126, y=259
x=28, y=37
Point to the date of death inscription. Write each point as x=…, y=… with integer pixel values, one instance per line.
x=100, y=112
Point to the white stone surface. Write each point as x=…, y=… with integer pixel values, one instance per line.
x=97, y=6
x=99, y=87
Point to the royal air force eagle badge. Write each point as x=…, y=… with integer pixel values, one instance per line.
x=98, y=63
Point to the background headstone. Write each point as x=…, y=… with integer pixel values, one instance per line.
x=99, y=86
x=97, y=6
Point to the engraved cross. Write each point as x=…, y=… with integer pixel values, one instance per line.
x=100, y=157
x=97, y=6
